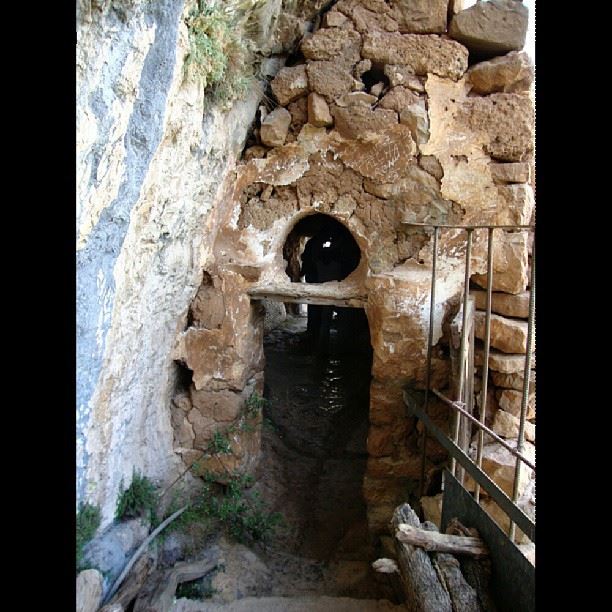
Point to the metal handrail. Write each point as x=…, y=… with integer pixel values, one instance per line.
x=508, y=505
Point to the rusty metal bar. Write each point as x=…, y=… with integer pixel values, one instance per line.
x=467, y=227
x=462, y=364
x=455, y=405
x=485, y=367
x=526, y=377
x=497, y=495
x=432, y=302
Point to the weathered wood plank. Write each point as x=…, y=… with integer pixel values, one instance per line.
x=440, y=542
x=424, y=592
x=332, y=293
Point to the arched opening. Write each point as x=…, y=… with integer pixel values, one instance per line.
x=320, y=249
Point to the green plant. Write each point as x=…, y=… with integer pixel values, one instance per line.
x=219, y=445
x=227, y=506
x=218, y=56
x=196, y=589
x=139, y=499
x=255, y=404
x=87, y=522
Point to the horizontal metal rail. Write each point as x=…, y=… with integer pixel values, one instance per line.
x=515, y=514
x=471, y=227
x=490, y=432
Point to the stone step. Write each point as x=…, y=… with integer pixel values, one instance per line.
x=289, y=604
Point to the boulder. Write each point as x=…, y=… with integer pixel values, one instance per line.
x=275, y=126
x=508, y=335
x=318, y=111
x=88, y=590
x=289, y=84
x=422, y=53
x=491, y=28
x=509, y=73
x=504, y=303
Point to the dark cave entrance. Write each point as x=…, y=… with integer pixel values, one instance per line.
x=316, y=419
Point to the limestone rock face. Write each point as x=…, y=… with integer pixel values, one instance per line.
x=509, y=73
x=275, y=126
x=491, y=28
x=421, y=53
x=318, y=111
x=504, y=303
x=88, y=590
x=508, y=335
x=289, y=84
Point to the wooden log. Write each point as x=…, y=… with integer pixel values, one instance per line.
x=440, y=542
x=463, y=596
x=332, y=293
x=424, y=592
x=158, y=594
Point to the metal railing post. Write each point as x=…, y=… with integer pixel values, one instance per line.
x=462, y=360
x=432, y=302
x=526, y=380
x=485, y=365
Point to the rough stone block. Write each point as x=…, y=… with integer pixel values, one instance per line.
x=511, y=400
x=506, y=425
x=329, y=79
x=512, y=172
x=504, y=303
x=420, y=16
x=88, y=590
x=416, y=118
x=275, y=126
x=422, y=53
x=361, y=122
x=508, y=335
x=500, y=362
x=289, y=84
x=513, y=381
x=509, y=73
x=399, y=98
x=339, y=45
x=491, y=28
x=318, y=111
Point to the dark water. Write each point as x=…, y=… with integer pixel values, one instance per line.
x=315, y=431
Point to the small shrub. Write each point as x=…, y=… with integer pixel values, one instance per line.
x=226, y=506
x=219, y=445
x=255, y=404
x=87, y=522
x=139, y=499
x=218, y=56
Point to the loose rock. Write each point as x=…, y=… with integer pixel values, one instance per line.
x=275, y=126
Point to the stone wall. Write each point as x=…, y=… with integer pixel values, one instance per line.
x=380, y=122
